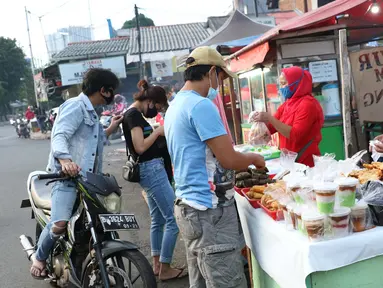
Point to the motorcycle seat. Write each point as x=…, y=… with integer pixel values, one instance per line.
x=41, y=194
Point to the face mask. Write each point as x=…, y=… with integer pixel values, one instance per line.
x=151, y=112
x=286, y=93
x=212, y=94
x=110, y=99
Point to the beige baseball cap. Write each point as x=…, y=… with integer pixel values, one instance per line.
x=206, y=55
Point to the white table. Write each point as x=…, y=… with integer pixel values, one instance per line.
x=288, y=257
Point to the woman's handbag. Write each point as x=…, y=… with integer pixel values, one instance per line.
x=131, y=170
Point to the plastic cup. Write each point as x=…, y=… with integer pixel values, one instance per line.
x=298, y=218
x=359, y=217
x=293, y=188
x=290, y=220
x=314, y=223
x=325, y=197
x=339, y=221
x=346, y=191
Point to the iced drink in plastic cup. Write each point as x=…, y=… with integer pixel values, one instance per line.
x=359, y=217
x=325, y=196
x=346, y=191
x=290, y=220
x=339, y=221
x=298, y=217
x=314, y=225
x=294, y=188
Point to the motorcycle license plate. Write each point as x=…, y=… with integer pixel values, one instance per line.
x=113, y=222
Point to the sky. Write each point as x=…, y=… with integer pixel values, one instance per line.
x=55, y=14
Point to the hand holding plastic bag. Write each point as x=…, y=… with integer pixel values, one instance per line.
x=259, y=133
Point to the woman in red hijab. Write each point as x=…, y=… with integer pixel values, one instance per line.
x=299, y=119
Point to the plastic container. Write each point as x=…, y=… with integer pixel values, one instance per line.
x=238, y=190
x=347, y=191
x=293, y=188
x=325, y=196
x=253, y=202
x=314, y=225
x=331, y=103
x=359, y=217
x=276, y=215
x=298, y=218
x=339, y=221
x=290, y=218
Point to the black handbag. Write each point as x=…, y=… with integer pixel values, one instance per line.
x=131, y=170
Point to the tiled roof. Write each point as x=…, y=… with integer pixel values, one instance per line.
x=166, y=38
x=93, y=48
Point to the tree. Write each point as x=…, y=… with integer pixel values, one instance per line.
x=144, y=22
x=13, y=69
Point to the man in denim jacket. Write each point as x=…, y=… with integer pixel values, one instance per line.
x=76, y=147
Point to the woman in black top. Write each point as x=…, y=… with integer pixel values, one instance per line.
x=149, y=147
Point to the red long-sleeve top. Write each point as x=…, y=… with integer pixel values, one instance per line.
x=305, y=116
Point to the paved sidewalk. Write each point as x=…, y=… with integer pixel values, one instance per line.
x=133, y=202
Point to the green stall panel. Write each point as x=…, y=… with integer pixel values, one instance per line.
x=366, y=274
x=332, y=141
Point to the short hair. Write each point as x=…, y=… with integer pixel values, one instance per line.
x=156, y=94
x=96, y=78
x=196, y=73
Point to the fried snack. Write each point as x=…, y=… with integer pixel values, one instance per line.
x=258, y=189
x=370, y=175
x=368, y=166
x=254, y=195
x=377, y=165
x=270, y=203
x=277, y=185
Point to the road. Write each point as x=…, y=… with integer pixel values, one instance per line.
x=18, y=157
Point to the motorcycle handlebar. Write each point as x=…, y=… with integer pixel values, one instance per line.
x=50, y=176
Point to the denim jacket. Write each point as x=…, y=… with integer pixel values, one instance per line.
x=77, y=135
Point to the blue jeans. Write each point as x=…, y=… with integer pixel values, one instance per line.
x=63, y=200
x=164, y=229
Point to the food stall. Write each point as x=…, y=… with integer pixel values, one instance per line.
x=315, y=228
x=319, y=41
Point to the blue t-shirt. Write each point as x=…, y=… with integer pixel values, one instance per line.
x=189, y=122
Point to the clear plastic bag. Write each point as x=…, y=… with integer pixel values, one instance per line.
x=375, y=155
x=259, y=133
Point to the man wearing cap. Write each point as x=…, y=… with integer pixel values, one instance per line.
x=203, y=157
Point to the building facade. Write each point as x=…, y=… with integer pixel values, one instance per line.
x=57, y=41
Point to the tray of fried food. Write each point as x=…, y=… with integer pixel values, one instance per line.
x=269, y=202
x=278, y=185
x=371, y=172
x=256, y=192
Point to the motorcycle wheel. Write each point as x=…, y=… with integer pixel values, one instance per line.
x=128, y=268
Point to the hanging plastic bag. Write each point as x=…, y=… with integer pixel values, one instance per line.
x=259, y=133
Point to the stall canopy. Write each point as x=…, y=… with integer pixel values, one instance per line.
x=353, y=14
x=238, y=30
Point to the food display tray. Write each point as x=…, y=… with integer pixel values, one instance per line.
x=276, y=215
x=238, y=190
x=253, y=202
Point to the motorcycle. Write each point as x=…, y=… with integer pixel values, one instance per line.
x=21, y=126
x=91, y=253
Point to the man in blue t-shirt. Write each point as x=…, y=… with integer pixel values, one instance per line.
x=203, y=159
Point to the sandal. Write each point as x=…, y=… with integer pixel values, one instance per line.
x=42, y=271
x=178, y=276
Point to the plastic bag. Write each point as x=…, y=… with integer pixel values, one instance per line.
x=375, y=155
x=287, y=159
x=372, y=193
x=326, y=168
x=259, y=133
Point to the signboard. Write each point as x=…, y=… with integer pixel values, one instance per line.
x=323, y=71
x=367, y=70
x=161, y=68
x=73, y=73
x=265, y=20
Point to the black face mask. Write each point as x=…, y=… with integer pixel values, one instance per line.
x=110, y=99
x=151, y=112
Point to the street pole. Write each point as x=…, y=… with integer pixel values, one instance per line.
x=138, y=39
x=32, y=61
x=256, y=8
